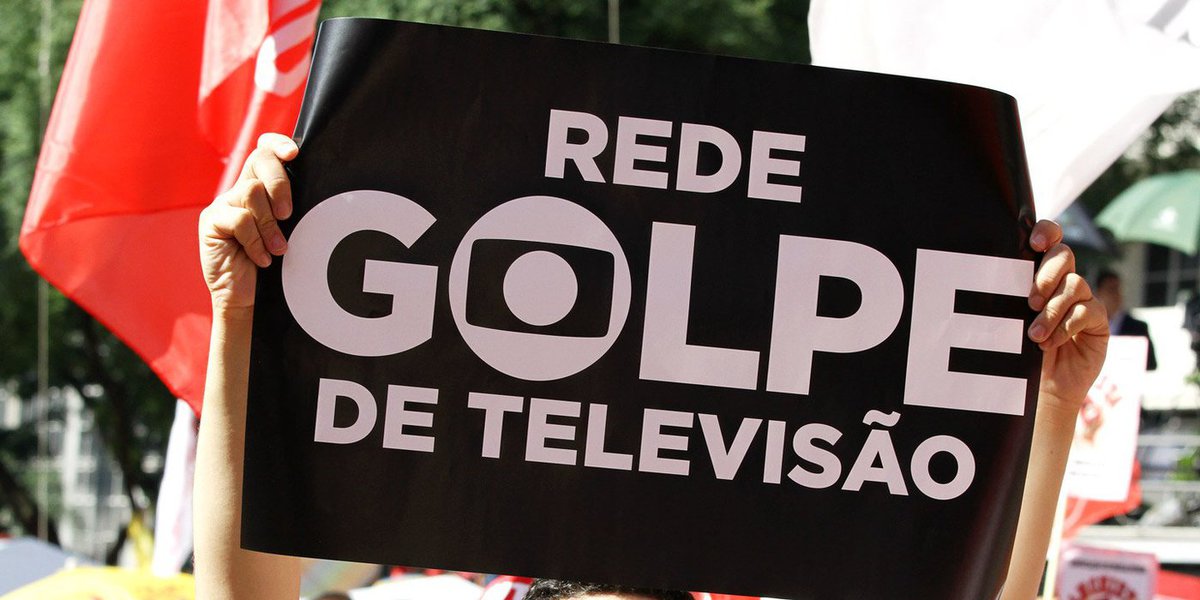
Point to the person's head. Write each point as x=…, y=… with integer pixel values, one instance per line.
x=333, y=596
x=553, y=589
x=1108, y=292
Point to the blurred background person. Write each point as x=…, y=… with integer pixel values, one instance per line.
x=1120, y=322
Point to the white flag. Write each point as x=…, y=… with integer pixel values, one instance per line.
x=173, y=514
x=1089, y=75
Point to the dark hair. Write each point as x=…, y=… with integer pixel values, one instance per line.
x=333, y=596
x=1104, y=276
x=553, y=589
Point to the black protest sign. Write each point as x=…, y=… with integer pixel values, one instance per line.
x=585, y=311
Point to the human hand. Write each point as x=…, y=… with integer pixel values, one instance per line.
x=239, y=231
x=1071, y=327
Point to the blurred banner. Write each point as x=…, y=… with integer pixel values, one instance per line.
x=1102, y=476
x=158, y=105
x=1105, y=444
x=1088, y=76
x=1093, y=573
x=617, y=314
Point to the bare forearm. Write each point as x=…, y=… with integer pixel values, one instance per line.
x=1052, y=434
x=223, y=569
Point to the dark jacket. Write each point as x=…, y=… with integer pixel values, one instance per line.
x=1132, y=326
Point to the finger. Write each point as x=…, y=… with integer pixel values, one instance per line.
x=266, y=167
x=1044, y=235
x=1088, y=318
x=256, y=201
x=1058, y=262
x=282, y=146
x=250, y=194
x=234, y=223
x=1072, y=290
x=271, y=144
x=238, y=196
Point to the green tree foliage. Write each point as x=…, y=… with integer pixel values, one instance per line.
x=21, y=115
x=767, y=29
x=131, y=408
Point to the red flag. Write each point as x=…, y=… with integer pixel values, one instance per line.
x=158, y=105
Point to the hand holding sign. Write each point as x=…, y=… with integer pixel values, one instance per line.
x=1072, y=328
x=232, y=247
x=240, y=230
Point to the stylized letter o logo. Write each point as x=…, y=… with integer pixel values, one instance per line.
x=539, y=356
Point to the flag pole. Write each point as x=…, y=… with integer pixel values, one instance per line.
x=43, y=293
x=614, y=21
